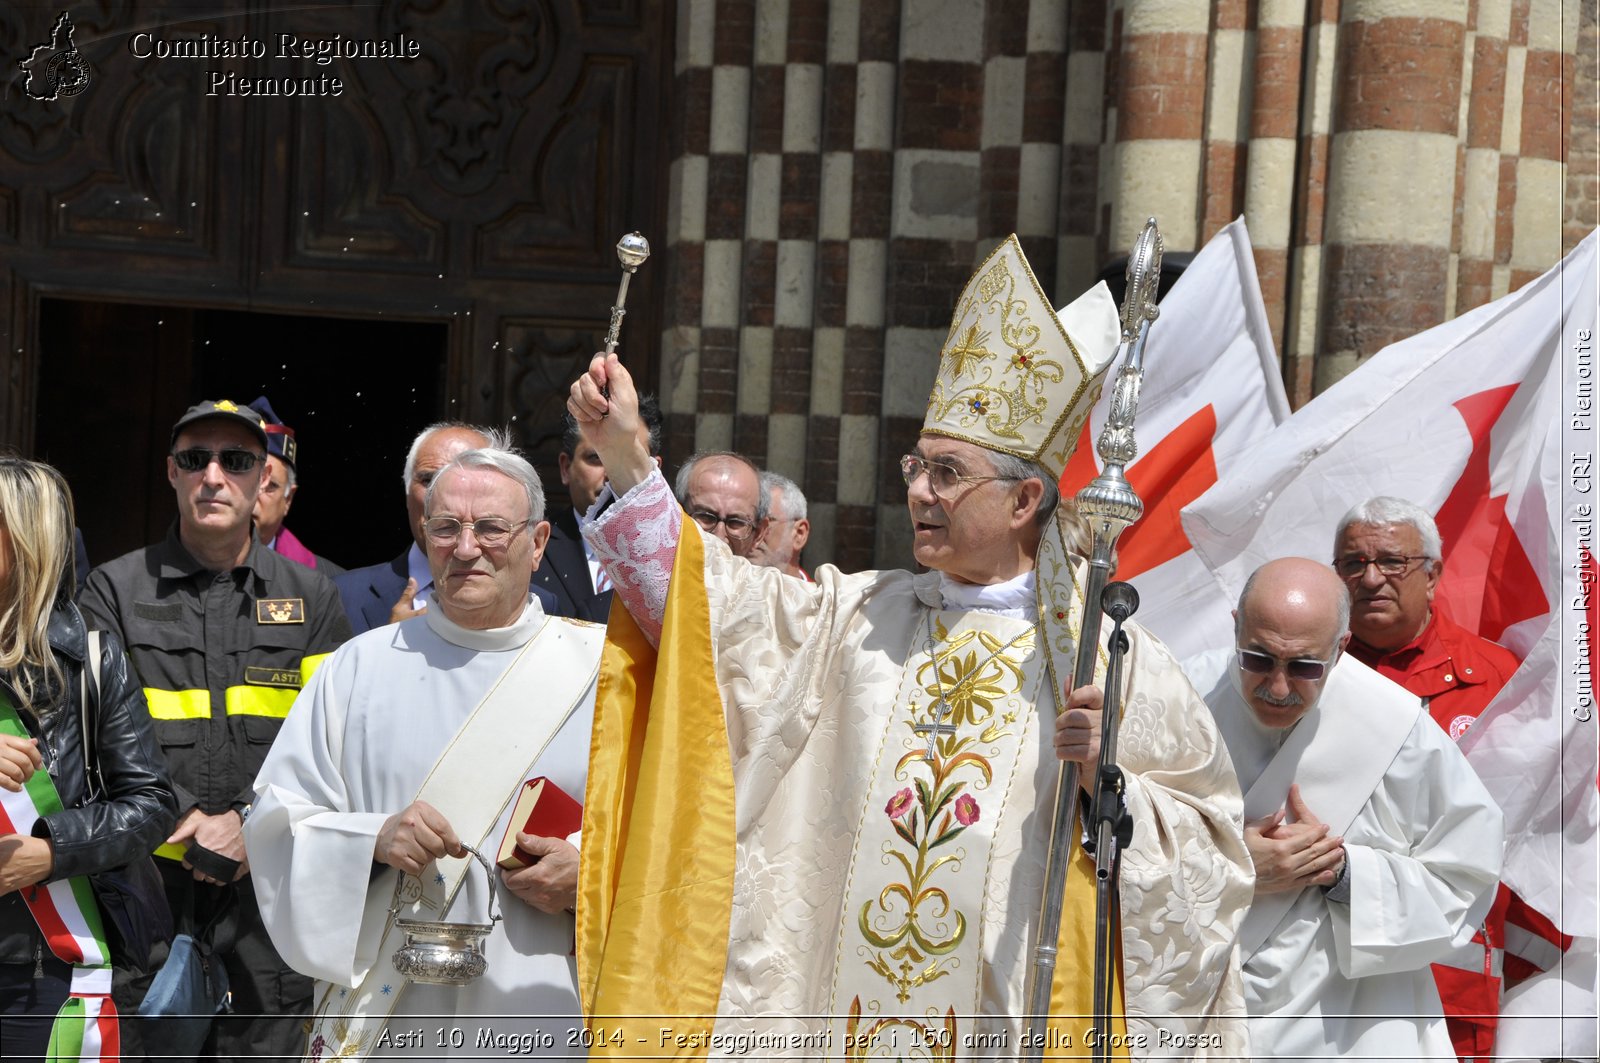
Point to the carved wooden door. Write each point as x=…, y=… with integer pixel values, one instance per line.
x=477, y=189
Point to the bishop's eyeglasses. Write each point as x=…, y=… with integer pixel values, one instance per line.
x=945, y=480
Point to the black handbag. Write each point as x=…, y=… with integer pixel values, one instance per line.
x=132, y=898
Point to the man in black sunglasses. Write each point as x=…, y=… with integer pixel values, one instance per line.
x=1373, y=841
x=223, y=632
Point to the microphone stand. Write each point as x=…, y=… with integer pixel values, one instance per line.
x=1113, y=827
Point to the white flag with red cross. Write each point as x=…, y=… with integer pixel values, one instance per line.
x=1212, y=388
x=1488, y=422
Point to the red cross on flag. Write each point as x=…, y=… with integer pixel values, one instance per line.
x=1212, y=388
x=1487, y=421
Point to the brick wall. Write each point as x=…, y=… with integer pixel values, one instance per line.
x=839, y=166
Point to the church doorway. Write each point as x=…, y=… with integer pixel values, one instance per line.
x=115, y=376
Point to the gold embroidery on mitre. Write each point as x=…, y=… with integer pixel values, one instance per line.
x=1010, y=378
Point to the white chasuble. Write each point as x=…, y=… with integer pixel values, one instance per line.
x=909, y=957
x=847, y=893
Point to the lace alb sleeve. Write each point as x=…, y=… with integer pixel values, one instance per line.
x=635, y=539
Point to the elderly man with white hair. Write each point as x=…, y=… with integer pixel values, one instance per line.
x=1388, y=552
x=405, y=749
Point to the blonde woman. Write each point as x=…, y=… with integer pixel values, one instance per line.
x=43, y=645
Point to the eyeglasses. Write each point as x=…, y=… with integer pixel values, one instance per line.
x=1355, y=565
x=1305, y=668
x=739, y=528
x=946, y=480
x=491, y=532
x=233, y=460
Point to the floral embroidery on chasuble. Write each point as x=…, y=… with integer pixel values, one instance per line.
x=910, y=954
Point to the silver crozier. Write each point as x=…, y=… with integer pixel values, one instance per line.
x=1109, y=504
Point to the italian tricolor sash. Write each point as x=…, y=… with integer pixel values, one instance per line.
x=86, y=1026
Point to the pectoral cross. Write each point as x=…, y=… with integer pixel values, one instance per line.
x=938, y=711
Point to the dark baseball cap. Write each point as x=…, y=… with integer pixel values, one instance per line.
x=223, y=410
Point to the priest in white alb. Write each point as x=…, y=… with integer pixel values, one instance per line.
x=409, y=745
x=819, y=812
x=1376, y=848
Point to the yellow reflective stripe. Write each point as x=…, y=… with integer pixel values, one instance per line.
x=173, y=850
x=309, y=666
x=178, y=704
x=260, y=701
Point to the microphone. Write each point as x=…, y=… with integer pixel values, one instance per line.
x=1119, y=600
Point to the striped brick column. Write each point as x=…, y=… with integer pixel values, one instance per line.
x=1229, y=90
x=1392, y=176
x=1003, y=89
x=1539, y=151
x=799, y=208
x=1083, y=128
x=1303, y=298
x=1160, y=121
x=1270, y=181
x=1489, y=37
x=1043, y=102
x=758, y=270
x=727, y=178
x=688, y=191
x=872, y=195
x=825, y=402
x=1024, y=84
x=937, y=167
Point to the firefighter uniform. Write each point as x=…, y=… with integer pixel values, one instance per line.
x=221, y=656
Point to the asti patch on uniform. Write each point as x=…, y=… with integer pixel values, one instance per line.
x=258, y=675
x=280, y=610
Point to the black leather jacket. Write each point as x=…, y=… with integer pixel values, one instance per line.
x=139, y=810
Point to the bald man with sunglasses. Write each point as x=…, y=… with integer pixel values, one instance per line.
x=1374, y=843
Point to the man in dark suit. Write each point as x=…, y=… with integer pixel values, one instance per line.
x=396, y=590
x=567, y=572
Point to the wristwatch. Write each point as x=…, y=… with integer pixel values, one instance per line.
x=244, y=813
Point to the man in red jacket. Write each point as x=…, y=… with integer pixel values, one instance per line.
x=1388, y=553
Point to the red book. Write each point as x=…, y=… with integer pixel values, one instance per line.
x=542, y=808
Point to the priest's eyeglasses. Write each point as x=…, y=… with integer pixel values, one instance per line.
x=234, y=460
x=739, y=528
x=946, y=480
x=1308, y=669
x=1354, y=566
x=491, y=532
